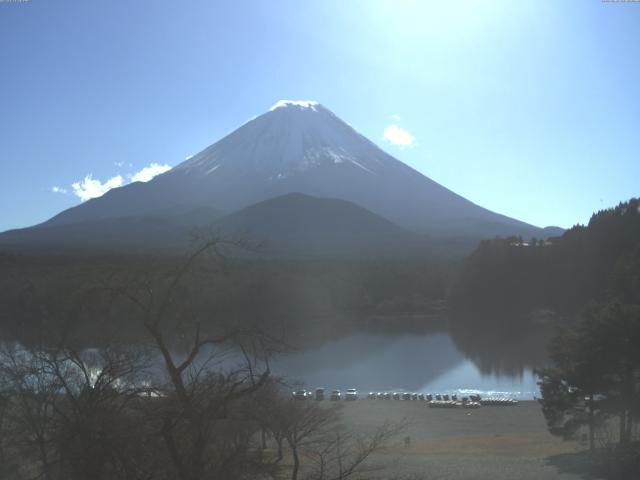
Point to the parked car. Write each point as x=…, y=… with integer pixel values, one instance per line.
x=352, y=394
x=386, y=396
x=319, y=393
x=421, y=396
x=336, y=396
x=406, y=396
x=301, y=394
x=372, y=396
x=396, y=395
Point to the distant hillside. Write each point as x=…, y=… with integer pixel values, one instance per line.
x=154, y=233
x=297, y=223
x=586, y=263
x=292, y=224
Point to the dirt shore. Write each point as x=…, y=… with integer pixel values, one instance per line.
x=487, y=443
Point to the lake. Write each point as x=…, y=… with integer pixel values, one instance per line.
x=429, y=363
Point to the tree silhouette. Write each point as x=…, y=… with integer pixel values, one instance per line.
x=595, y=373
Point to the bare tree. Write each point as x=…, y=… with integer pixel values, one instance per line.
x=342, y=454
x=303, y=424
x=265, y=409
x=199, y=394
x=100, y=393
x=68, y=413
x=28, y=420
x=320, y=445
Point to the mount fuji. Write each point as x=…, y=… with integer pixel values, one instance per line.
x=295, y=147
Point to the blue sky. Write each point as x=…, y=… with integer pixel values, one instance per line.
x=529, y=108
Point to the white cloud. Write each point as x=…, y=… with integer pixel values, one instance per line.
x=92, y=188
x=398, y=136
x=147, y=173
x=395, y=117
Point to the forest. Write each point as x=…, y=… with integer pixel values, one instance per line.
x=505, y=279
x=309, y=299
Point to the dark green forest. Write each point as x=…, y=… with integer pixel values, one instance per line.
x=508, y=278
x=309, y=300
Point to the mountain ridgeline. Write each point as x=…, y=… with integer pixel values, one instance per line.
x=364, y=198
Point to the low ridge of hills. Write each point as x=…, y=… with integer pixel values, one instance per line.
x=289, y=224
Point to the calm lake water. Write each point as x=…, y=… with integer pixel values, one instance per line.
x=428, y=363
x=417, y=363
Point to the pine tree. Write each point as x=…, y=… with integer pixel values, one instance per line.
x=595, y=373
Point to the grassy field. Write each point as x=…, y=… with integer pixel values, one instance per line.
x=487, y=443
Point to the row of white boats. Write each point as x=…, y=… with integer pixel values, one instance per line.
x=434, y=401
x=445, y=400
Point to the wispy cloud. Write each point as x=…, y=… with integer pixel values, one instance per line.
x=398, y=136
x=148, y=172
x=90, y=187
x=395, y=117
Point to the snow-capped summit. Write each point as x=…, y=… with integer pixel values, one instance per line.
x=311, y=104
x=291, y=138
x=301, y=146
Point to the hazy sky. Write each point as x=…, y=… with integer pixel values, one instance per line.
x=531, y=109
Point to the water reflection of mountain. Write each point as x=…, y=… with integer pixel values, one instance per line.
x=502, y=349
x=373, y=362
